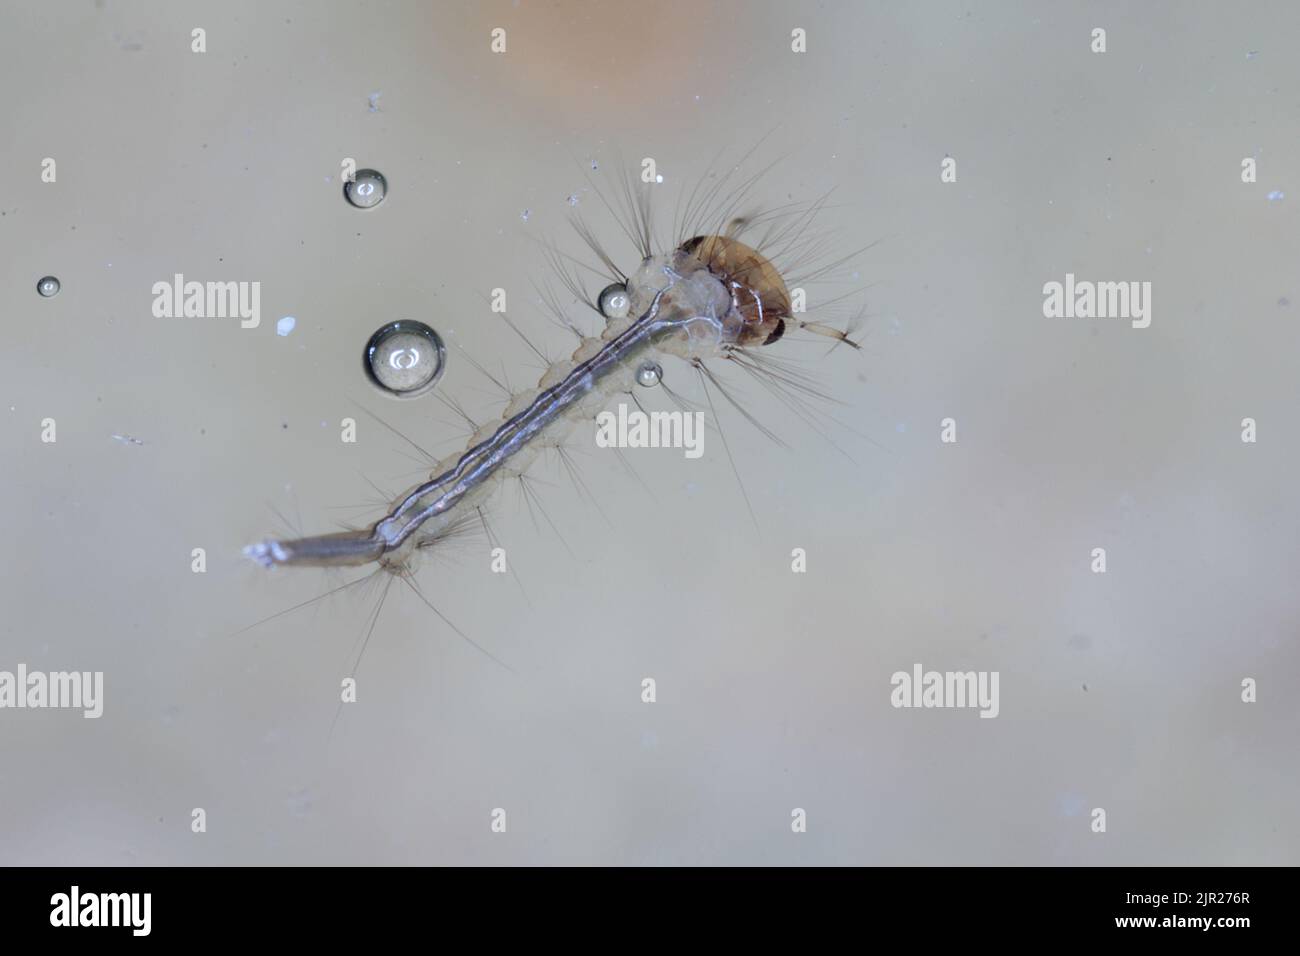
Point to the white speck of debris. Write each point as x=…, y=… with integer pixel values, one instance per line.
x=573, y=199
x=1276, y=196
x=285, y=325
x=595, y=165
x=373, y=101
x=525, y=214
x=1251, y=54
x=127, y=440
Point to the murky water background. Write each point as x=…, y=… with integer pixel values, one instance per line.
x=1119, y=691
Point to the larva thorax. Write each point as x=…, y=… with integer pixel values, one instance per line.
x=711, y=294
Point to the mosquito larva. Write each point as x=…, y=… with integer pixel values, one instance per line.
x=712, y=296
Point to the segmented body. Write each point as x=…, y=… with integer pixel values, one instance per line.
x=682, y=308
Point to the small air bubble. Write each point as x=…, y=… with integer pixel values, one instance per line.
x=367, y=189
x=49, y=286
x=649, y=374
x=405, y=358
x=614, y=302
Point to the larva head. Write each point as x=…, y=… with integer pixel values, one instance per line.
x=709, y=294
x=758, y=293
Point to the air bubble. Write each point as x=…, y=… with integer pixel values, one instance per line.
x=405, y=358
x=614, y=301
x=48, y=286
x=649, y=374
x=368, y=188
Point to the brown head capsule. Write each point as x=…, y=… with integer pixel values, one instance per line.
x=758, y=292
